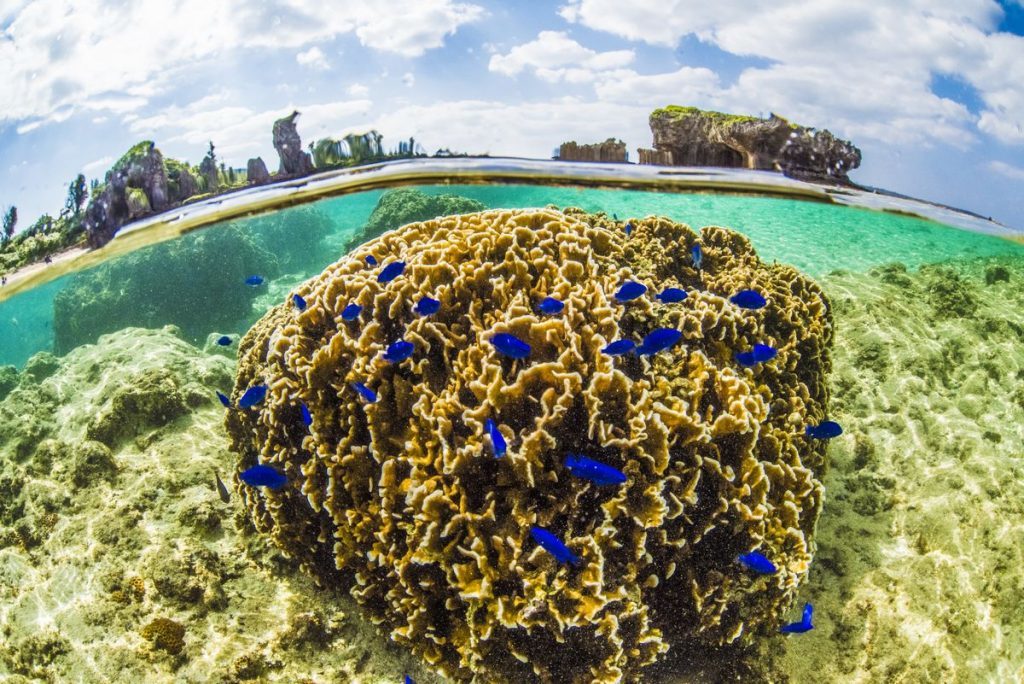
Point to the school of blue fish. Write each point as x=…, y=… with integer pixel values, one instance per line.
x=578, y=466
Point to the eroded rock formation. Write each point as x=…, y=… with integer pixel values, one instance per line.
x=295, y=161
x=256, y=172
x=140, y=170
x=611, y=150
x=687, y=136
x=402, y=501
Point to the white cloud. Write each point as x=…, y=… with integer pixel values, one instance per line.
x=358, y=90
x=67, y=54
x=314, y=58
x=408, y=79
x=97, y=165
x=1008, y=170
x=239, y=132
x=554, y=56
x=685, y=85
x=530, y=129
x=859, y=68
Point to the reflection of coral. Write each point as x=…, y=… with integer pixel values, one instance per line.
x=401, y=496
x=165, y=634
x=406, y=205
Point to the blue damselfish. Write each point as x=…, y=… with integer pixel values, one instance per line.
x=550, y=305
x=391, y=271
x=263, y=476
x=630, y=290
x=758, y=562
x=553, y=545
x=510, y=345
x=619, y=347
x=659, y=340
x=748, y=299
x=595, y=471
x=497, y=440
x=254, y=395
x=399, y=351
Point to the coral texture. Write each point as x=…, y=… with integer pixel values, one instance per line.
x=402, y=498
x=165, y=634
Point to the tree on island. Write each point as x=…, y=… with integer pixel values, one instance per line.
x=77, y=195
x=208, y=169
x=10, y=220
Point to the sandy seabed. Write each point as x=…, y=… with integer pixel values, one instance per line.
x=120, y=563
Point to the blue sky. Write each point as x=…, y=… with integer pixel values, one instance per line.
x=931, y=91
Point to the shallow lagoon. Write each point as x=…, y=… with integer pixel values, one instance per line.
x=108, y=550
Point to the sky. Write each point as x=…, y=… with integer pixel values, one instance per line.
x=932, y=91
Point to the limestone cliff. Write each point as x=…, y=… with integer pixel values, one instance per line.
x=687, y=136
x=294, y=160
x=135, y=185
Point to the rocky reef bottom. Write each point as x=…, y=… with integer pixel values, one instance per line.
x=120, y=562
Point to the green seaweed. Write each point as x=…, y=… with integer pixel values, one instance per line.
x=720, y=118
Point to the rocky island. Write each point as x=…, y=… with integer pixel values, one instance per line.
x=688, y=136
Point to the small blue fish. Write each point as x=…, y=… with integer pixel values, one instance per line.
x=351, y=312
x=391, y=271
x=629, y=291
x=299, y=302
x=619, y=347
x=427, y=306
x=399, y=351
x=804, y=625
x=365, y=392
x=758, y=562
x=550, y=305
x=659, y=340
x=224, y=399
x=697, y=254
x=595, y=471
x=748, y=299
x=615, y=217
x=223, y=340
x=759, y=354
x=553, y=545
x=497, y=440
x=307, y=417
x=370, y=260
x=408, y=680
x=254, y=281
x=826, y=430
x=252, y=396
x=629, y=228
x=263, y=476
x=510, y=345
x=671, y=295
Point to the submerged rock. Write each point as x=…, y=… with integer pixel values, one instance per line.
x=196, y=282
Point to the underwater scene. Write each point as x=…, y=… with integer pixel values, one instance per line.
x=519, y=432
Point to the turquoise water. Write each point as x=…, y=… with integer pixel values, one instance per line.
x=816, y=238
